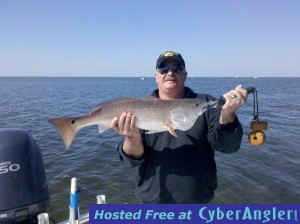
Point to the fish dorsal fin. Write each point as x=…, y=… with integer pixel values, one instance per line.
x=150, y=98
x=100, y=105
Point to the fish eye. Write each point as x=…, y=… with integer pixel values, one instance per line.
x=72, y=121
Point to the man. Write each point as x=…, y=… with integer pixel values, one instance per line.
x=180, y=170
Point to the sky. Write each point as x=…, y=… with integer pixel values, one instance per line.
x=125, y=37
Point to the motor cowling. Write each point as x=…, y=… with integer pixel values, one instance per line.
x=23, y=185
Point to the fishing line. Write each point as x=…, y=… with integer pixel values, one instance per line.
x=255, y=105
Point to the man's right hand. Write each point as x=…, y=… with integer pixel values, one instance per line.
x=126, y=125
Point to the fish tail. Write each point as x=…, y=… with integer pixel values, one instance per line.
x=66, y=130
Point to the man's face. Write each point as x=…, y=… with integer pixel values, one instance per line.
x=170, y=75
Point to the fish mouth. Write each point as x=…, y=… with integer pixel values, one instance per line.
x=213, y=104
x=209, y=105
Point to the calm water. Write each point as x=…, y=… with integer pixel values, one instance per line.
x=266, y=174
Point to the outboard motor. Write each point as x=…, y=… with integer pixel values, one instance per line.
x=23, y=186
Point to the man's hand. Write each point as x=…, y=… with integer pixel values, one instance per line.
x=234, y=100
x=126, y=125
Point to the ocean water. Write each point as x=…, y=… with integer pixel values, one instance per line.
x=269, y=173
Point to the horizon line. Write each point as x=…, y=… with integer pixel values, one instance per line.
x=34, y=76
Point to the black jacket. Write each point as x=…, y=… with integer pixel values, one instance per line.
x=183, y=170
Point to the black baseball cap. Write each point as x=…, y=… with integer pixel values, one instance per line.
x=169, y=55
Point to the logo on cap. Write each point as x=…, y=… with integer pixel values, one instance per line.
x=168, y=54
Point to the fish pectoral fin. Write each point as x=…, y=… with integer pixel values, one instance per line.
x=153, y=131
x=166, y=125
x=103, y=128
x=171, y=130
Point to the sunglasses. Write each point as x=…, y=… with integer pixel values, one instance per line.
x=174, y=68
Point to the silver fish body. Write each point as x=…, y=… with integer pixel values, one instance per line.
x=153, y=115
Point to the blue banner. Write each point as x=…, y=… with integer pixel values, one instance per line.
x=193, y=213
